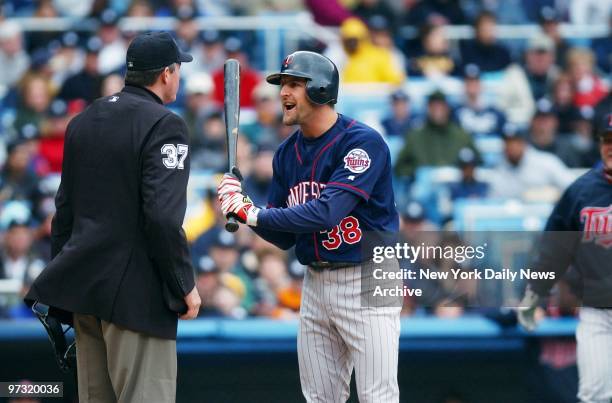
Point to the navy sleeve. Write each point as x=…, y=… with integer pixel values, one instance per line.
x=363, y=159
x=316, y=215
x=557, y=245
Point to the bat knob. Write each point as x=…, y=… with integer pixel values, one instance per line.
x=231, y=225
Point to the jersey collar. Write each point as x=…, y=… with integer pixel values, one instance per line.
x=142, y=91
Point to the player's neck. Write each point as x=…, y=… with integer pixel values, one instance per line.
x=322, y=121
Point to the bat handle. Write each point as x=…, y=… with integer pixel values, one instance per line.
x=232, y=225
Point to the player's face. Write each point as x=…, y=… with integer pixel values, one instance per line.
x=296, y=106
x=605, y=149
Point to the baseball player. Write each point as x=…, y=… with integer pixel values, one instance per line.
x=579, y=232
x=331, y=184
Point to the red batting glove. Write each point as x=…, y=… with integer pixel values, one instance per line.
x=229, y=184
x=241, y=207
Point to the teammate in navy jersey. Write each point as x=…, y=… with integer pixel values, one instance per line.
x=331, y=184
x=579, y=233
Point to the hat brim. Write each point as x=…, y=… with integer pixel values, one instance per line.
x=184, y=57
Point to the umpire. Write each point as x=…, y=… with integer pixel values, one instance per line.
x=120, y=271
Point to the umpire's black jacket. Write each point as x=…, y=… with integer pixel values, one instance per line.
x=118, y=249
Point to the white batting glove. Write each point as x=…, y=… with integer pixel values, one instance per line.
x=241, y=207
x=526, y=310
x=229, y=184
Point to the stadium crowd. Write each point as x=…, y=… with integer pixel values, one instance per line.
x=552, y=92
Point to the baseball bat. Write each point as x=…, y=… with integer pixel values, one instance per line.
x=231, y=106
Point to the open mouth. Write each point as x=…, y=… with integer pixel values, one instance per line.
x=289, y=106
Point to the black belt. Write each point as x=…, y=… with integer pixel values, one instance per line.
x=324, y=265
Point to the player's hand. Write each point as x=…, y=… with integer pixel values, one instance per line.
x=229, y=184
x=193, y=302
x=526, y=311
x=241, y=207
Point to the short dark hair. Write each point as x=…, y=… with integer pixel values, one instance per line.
x=484, y=15
x=145, y=78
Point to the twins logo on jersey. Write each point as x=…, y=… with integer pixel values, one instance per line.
x=597, y=225
x=357, y=161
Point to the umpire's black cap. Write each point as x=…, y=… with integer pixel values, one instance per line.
x=154, y=50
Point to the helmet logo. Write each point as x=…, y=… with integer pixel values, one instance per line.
x=288, y=60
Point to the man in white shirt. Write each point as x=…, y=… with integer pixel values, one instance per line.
x=527, y=173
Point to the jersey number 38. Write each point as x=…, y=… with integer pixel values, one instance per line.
x=347, y=231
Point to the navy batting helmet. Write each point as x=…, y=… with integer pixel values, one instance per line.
x=321, y=75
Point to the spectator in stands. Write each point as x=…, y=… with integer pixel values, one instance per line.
x=208, y=282
x=581, y=142
x=366, y=9
x=434, y=12
x=226, y=257
x=433, y=59
x=140, y=8
x=603, y=50
x=543, y=134
x=365, y=62
x=53, y=131
x=265, y=128
x=484, y=51
x=199, y=105
x=272, y=282
x=401, y=120
x=381, y=35
x=249, y=78
x=114, y=48
x=590, y=12
x=209, y=149
x=549, y=21
x=36, y=94
x=18, y=261
x=540, y=66
x=473, y=115
x=257, y=184
x=468, y=187
x=603, y=108
x=514, y=96
x=68, y=59
x=328, y=12
x=14, y=60
x=589, y=88
x=17, y=181
x=527, y=173
x=188, y=39
x=40, y=39
x=213, y=53
x=86, y=84
x=437, y=143
x=563, y=102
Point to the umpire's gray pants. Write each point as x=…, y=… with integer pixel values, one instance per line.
x=118, y=365
x=594, y=351
x=337, y=334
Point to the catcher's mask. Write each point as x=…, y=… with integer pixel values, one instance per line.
x=65, y=354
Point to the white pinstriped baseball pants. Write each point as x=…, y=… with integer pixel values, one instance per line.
x=337, y=334
x=594, y=351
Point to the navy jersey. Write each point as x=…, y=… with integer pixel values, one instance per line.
x=327, y=192
x=579, y=232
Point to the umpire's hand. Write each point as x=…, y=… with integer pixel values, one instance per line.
x=193, y=302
